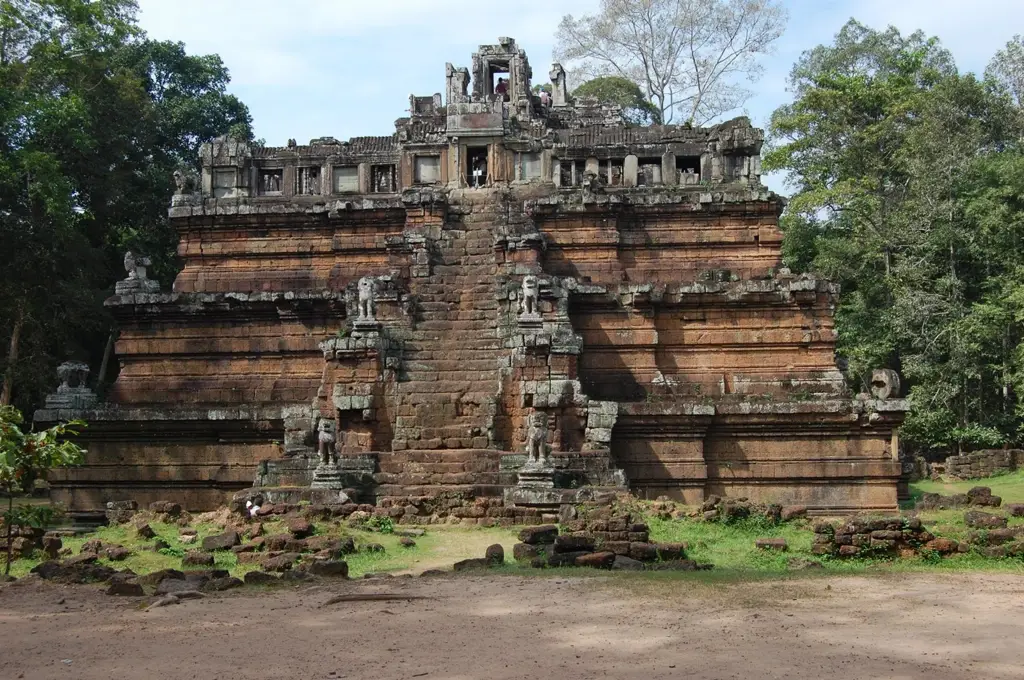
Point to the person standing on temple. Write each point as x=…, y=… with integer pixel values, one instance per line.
x=502, y=88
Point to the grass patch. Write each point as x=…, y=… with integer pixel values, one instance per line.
x=1008, y=487
x=729, y=547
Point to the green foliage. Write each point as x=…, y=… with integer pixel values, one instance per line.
x=26, y=457
x=94, y=119
x=381, y=524
x=909, y=195
x=636, y=109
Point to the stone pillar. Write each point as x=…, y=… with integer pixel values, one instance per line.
x=559, y=89
x=556, y=171
x=669, y=175
x=629, y=171
x=363, y=172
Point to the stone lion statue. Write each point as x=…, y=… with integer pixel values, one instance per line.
x=367, y=307
x=537, y=440
x=325, y=442
x=531, y=291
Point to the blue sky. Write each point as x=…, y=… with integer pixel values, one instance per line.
x=346, y=68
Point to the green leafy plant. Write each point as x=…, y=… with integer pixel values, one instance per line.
x=381, y=524
x=26, y=457
x=172, y=551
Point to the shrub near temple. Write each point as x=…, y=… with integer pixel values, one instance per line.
x=24, y=458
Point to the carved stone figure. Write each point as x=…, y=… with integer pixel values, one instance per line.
x=367, y=307
x=537, y=440
x=137, y=281
x=180, y=182
x=73, y=375
x=885, y=383
x=559, y=88
x=325, y=443
x=530, y=292
x=73, y=391
x=136, y=266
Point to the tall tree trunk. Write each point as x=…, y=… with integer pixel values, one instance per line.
x=12, y=358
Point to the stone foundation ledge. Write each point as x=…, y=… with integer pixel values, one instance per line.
x=193, y=301
x=110, y=413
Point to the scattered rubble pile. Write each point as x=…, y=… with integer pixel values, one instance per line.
x=445, y=508
x=870, y=537
x=979, y=496
x=907, y=537
x=27, y=540
x=606, y=539
x=992, y=537
x=728, y=510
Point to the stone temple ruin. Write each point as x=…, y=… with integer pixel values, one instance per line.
x=511, y=298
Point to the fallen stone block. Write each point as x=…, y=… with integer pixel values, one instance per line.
x=472, y=563
x=597, y=560
x=772, y=544
x=976, y=519
x=281, y=562
x=197, y=559
x=125, y=589
x=943, y=546
x=523, y=552
x=564, y=559
x=299, y=527
x=644, y=552
x=331, y=568
x=567, y=544
x=670, y=551
x=224, y=541
x=791, y=512
x=536, y=535
x=117, y=553
x=254, y=578
x=145, y=531
x=495, y=554
x=220, y=584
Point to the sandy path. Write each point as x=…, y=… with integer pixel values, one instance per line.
x=910, y=626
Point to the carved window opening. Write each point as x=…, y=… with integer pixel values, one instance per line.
x=734, y=167
x=572, y=173
x=476, y=166
x=529, y=166
x=688, y=168
x=610, y=172
x=270, y=182
x=498, y=73
x=307, y=181
x=383, y=179
x=427, y=169
x=223, y=183
x=346, y=179
x=648, y=172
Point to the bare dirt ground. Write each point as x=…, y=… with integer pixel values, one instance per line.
x=931, y=626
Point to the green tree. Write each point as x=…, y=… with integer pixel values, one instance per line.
x=887, y=146
x=94, y=119
x=624, y=92
x=26, y=457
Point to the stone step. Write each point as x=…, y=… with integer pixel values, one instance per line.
x=472, y=490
